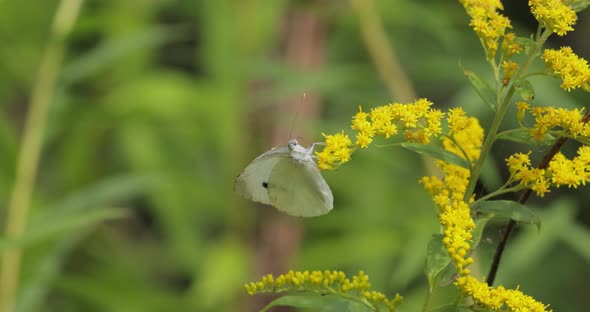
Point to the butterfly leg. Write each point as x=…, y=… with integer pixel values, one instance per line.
x=310, y=149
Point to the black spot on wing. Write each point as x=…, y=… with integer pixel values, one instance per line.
x=265, y=185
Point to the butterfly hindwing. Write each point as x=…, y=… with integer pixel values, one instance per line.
x=298, y=188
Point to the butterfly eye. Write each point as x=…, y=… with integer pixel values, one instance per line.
x=292, y=144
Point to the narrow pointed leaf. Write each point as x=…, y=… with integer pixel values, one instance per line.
x=523, y=136
x=508, y=209
x=480, y=224
x=483, y=89
x=316, y=302
x=437, y=152
x=437, y=259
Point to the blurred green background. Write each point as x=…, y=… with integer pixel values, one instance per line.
x=158, y=106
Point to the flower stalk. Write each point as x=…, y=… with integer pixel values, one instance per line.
x=31, y=145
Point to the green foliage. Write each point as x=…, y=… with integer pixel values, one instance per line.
x=507, y=210
x=437, y=152
x=160, y=104
x=329, y=303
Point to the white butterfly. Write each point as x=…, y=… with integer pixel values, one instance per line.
x=288, y=179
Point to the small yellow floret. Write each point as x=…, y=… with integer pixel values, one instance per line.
x=554, y=14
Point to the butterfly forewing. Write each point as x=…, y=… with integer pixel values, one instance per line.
x=252, y=183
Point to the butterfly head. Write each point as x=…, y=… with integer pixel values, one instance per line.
x=293, y=143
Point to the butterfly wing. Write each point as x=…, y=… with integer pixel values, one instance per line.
x=252, y=183
x=297, y=188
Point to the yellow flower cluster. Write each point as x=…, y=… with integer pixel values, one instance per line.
x=510, y=46
x=554, y=14
x=561, y=171
x=458, y=225
x=465, y=135
x=465, y=138
x=326, y=282
x=509, y=69
x=336, y=152
x=488, y=24
x=521, y=171
x=569, y=122
x=418, y=121
x=496, y=298
x=574, y=172
x=572, y=69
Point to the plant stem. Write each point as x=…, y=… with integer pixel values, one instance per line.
x=30, y=149
x=383, y=55
x=487, y=145
x=523, y=198
x=502, y=108
x=499, y=192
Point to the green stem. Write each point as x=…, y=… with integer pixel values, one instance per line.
x=457, y=145
x=426, y=307
x=30, y=149
x=487, y=145
x=506, y=132
x=513, y=189
x=502, y=108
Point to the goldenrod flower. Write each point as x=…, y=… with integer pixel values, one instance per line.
x=541, y=187
x=417, y=121
x=509, y=69
x=488, y=24
x=326, y=282
x=563, y=121
x=517, y=161
x=572, y=69
x=458, y=225
x=337, y=151
x=561, y=171
x=497, y=298
x=464, y=138
x=574, y=172
x=522, y=109
x=509, y=46
x=554, y=14
x=466, y=132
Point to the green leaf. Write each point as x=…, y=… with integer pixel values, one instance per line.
x=328, y=303
x=525, y=89
x=528, y=44
x=485, y=92
x=50, y=228
x=452, y=307
x=480, y=224
x=577, y=5
x=523, y=136
x=508, y=209
x=437, y=259
x=437, y=152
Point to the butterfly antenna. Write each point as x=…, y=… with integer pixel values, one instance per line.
x=296, y=116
